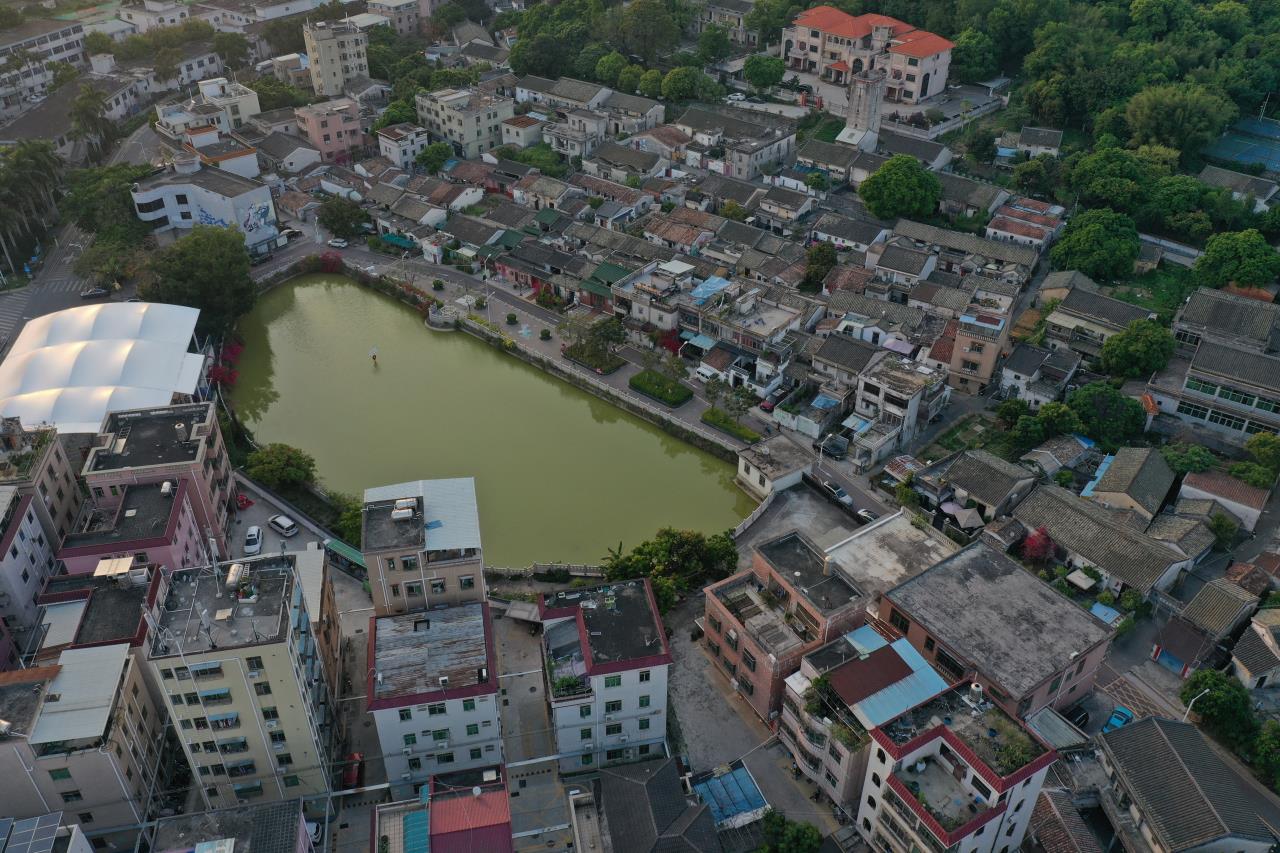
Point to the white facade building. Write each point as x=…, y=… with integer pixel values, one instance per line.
x=46, y=41
x=26, y=561
x=401, y=143
x=433, y=691
x=189, y=195
x=606, y=674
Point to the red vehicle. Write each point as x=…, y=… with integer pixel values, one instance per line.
x=353, y=772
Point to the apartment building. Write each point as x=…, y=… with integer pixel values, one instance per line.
x=421, y=544
x=952, y=773
x=433, y=693
x=178, y=444
x=237, y=101
x=151, y=14
x=842, y=692
x=797, y=597
x=334, y=128
x=115, y=603
x=402, y=143
x=730, y=16
x=896, y=398
x=1085, y=319
x=45, y=41
x=982, y=334
x=581, y=132
x=979, y=616
x=606, y=663
x=188, y=194
x=235, y=658
x=82, y=735
x=336, y=51
x=34, y=462
x=26, y=563
x=1225, y=376
x=150, y=524
x=836, y=45
x=470, y=121
x=402, y=15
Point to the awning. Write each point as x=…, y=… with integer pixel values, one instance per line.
x=342, y=549
x=838, y=66
x=1081, y=580
x=397, y=240
x=857, y=424
x=702, y=342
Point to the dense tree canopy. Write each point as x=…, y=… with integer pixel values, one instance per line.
x=1100, y=243
x=901, y=187
x=1139, y=351
x=1241, y=257
x=207, y=269
x=1106, y=415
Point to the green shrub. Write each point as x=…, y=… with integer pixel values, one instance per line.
x=1107, y=597
x=545, y=334
x=662, y=388
x=481, y=302
x=437, y=285
x=722, y=421
x=511, y=319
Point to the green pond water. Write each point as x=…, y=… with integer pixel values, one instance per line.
x=560, y=475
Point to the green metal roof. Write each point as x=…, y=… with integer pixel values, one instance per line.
x=546, y=216
x=596, y=287
x=510, y=239
x=342, y=549
x=609, y=273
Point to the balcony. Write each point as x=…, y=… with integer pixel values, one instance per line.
x=763, y=615
x=950, y=802
x=239, y=771
x=233, y=746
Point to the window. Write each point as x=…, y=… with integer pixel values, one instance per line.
x=1191, y=410
x=468, y=704
x=473, y=729
x=436, y=709
x=413, y=589
x=59, y=774
x=284, y=759
x=644, y=701
x=410, y=739
x=1223, y=419
x=292, y=781
x=1209, y=388
x=395, y=590
x=715, y=625
x=85, y=817
x=1055, y=684
x=467, y=582
x=71, y=796
x=439, y=734
x=415, y=763
x=584, y=734
x=871, y=801
x=613, y=706
x=748, y=660
x=586, y=759
x=613, y=729
x=270, y=714
x=444, y=758
x=405, y=715
x=644, y=724
x=584, y=711
x=615, y=755
x=262, y=688
x=929, y=644
x=166, y=674
x=613, y=681
x=437, y=586
x=897, y=620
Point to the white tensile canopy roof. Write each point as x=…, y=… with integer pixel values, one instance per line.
x=69, y=369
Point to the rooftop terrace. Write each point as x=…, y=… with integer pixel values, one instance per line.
x=143, y=513
x=265, y=828
x=112, y=610
x=807, y=570
x=996, y=739
x=165, y=436
x=886, y=552
x=762, y=615
x=211, y=608
x=431, y=650
x=21, y=691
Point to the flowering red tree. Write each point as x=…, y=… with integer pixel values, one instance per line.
x=231, y=351
x=331, y=262
x=1038, y=547
x=220, y=374
x=670, y=340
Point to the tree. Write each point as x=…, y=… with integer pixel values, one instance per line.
x=715, y=390
x=732, y=210
x=1064, y=478
x=274, y=94
x=233, y=48
x=763, y=71
x=630, y=78
x=279, y=466
x=1226, y=709
x=1183, y=116
x=1264, y=447
x=973, y=59
x=901, y=187
x=1058, y=419
x=647, y=27
x=609, y=67
x=767, y=18
x=1009, y=411
x=1188, y=458
x=738, y=402
x=207, y=269
x=1038, y=176
x=397, y=112
x=341, y=217
x=1237, y=257
x=350, y=520
x=906, y=494
x=63, y=73
x=1100, y=243
x=1266, y=753
x=714, y=44
x=1038, y=547
x=817, y=180
x=681, y=84
x=1026, y=433
x=1223, y=530
x=1253, y=474
x=100, y=195
x=168, y=64
x=1107, y=416
x=980, y=144
x=691, y=559
x=98, y=42
x=434, y=156
x=651, y=83
x=787, y=836
x=819, y=261
x=1143, y=348
x=89, y=122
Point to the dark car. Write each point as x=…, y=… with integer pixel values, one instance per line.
x=1078, y=716
x=94, y=293
x=833, y=446
x=769, y=403
x=261, y=259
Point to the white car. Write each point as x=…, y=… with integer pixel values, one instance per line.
x=283, y=525
x=337, y=243
x=736, y=96
x=837, y=492
x=253, y=541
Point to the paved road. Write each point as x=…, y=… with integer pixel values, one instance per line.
x=141, y=146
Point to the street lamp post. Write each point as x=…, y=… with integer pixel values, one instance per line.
x=1187, y=713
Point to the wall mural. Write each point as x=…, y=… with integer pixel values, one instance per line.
x=204, y=217
x=257, y=216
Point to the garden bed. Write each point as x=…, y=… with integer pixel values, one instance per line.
x=664, y=389
x=600, y=362
x=722, y=421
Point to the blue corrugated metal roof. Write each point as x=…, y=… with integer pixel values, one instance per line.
x=866, y=640
x=923, y=683
x=1087, y=491
x=417, y=832
x=1107, y=614
x=734, y=793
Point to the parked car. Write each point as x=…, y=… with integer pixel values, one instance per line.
x=253, y=541
x=736, y=96
x=283, y=524
x=94, y=293
x=290, y=233
x=867, y=516
x=261, y=259
x=1078, y=716
x=1119, y=718
x=833, y=446
x=706, y=374
x=337, y=243
x=769, y=403
x=837, y=491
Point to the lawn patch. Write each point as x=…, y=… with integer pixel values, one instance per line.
x=722, y=421
x=664, y=389
x=601, y=362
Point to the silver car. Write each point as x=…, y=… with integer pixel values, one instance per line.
x=253, y=541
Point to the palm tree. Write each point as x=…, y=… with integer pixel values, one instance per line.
x=88, y=118
x=32, y=168
x=21, y=60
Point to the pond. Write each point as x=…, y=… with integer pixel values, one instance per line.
x=560, y=474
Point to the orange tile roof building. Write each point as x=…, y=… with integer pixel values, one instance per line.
x=836, y=45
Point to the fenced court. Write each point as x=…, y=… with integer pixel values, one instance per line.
x=1251, y=140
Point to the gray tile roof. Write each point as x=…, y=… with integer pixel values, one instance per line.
x=1237, y=317
x=1040, y=136
x=828, y=153
x=1189, y=535
x=1181, y=786
x=967, y=243
x=1095, y=306
x=1068, y=279
x=974, y=193
x=922, y=149
x=1026, y=359
x=623, y=102
x=903, y=260
x=1230, y=363
x=985, y=476
x=1216, y=608
x=846, y=352
x=1091, y=530
x=1142, y=474
x=628, y=158
x=846, y=302
x=1000, y=618
x=1238, y=182
x=646, y=812
x=1253, y=652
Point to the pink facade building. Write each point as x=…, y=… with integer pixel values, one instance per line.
x=174, y=444
x=151, y=524
x=333, y=128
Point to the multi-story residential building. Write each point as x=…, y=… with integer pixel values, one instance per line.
x=45, y=42
x=239, y=102
x=1085, y=319
x=337, y=55
x=581, y=132
x=421, y=544
x=1225, y=374
x=606, y=664
x=751, y=141
x=174, y=120
x=1038, y=375
x=797, y=597
x=282, y=825
x=836, y=45
x=470, y=121
x=433, y=693
x=116, y=603
x=402, y=143
x=334, y=128
x=953, y=773
x=730, y=16
x=82, y=734
x=840, y=693
x=968, y=254
x=403, y=15
x=174, y=444
x=150, y=14
x=150, y=524
x=895, y=401
x=25, y=564
x=234, y=656
x=188, y=194
x=982, y=334
x=978, y=615
x=35, y=463
x=1165, y=789
x=976, y=480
